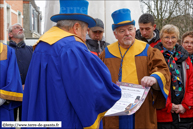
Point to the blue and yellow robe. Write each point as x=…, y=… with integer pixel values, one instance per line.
x=10, y=83
x=140, y=60
x=67, y=83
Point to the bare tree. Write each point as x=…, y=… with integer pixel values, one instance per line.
x=177, y=12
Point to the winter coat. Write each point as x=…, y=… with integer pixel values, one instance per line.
x=24, y=55
x=165, y=115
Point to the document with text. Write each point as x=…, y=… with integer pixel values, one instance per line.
x=132, y=98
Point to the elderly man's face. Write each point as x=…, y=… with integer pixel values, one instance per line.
x=125, y=35
x=17, y=32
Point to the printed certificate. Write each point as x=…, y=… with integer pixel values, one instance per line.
x=132, y=98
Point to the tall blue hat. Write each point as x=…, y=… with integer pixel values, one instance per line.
x=122, y=17
x=74, y=10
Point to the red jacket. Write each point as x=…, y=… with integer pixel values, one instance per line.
x=154, y=43
x=164, y=115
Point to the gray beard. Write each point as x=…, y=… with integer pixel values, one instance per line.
x=128, y=43
x=19, y=36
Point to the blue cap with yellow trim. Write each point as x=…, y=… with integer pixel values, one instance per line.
x=74, y=10
x=122, y=17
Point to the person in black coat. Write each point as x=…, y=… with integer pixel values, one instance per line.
x=23, y=53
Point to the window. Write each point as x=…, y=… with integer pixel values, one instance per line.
x=19, y=18
x=8, y=16
x=34, y=20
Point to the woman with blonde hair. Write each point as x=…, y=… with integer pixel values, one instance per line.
x=178, y=112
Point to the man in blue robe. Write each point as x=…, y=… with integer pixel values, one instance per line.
x=11, y=92
x=66, y=82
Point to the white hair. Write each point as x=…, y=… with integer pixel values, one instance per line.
x=68, y=24
x=11, y=28
x=115, y=31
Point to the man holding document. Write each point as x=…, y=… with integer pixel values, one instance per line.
x=132, y=61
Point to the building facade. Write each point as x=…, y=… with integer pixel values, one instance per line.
x=12, y=12
x=32, y=19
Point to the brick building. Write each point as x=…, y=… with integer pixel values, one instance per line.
x=12, y=11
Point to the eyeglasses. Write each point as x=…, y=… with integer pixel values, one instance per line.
x=18, y=28
x=187, y=43
x=168, y=38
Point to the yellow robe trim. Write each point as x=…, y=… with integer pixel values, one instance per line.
x=163, y=81
x=97, y=122
x=55, y=34
x=129, y=72
x=1, y=47
x=9, y=93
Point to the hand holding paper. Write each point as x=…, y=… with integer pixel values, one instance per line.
x=148, y=81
